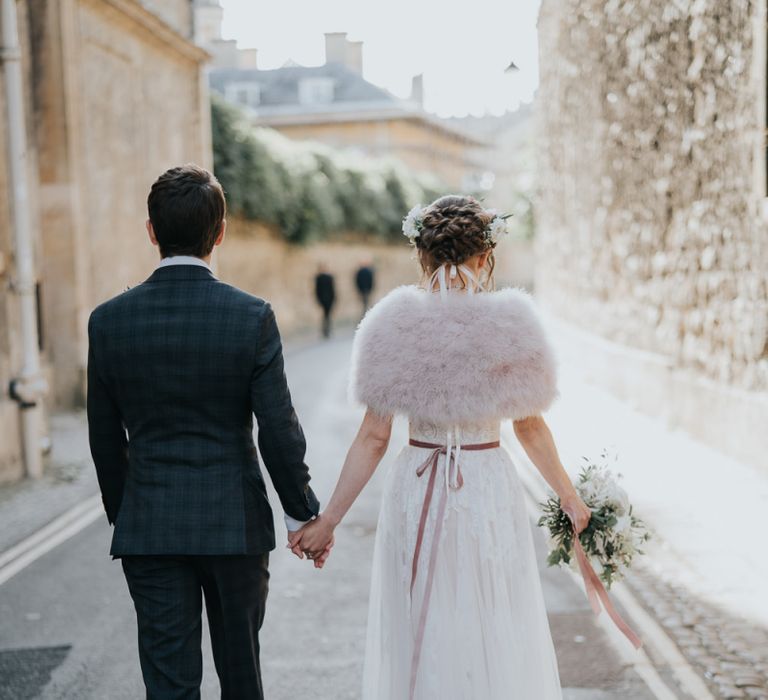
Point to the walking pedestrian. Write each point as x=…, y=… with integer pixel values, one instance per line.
x=365, y=278
x=325, y=293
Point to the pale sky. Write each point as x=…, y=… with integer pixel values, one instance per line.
x=461, y=48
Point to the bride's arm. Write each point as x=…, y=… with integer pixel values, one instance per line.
x=535, y=437
x=363, y=457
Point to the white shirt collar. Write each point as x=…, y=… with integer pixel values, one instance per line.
x=183, y=260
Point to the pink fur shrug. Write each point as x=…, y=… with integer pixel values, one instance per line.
x=465, y=359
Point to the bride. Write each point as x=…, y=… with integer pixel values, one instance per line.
x=456, y=607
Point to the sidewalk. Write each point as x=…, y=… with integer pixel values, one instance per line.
x=69, y=479
x=705, y=573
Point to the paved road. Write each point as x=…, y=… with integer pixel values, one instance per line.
x=67, y=628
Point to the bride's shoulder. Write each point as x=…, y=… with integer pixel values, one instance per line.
x=514, y=302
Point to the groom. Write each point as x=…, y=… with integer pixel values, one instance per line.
x=177, y=367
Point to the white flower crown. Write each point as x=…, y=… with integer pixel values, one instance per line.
x=414, y=222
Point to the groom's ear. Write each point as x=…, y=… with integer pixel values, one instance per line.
x=151, y=232
x=220, y=238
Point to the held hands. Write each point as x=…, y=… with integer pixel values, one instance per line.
x=577, y=511
x=315, y=540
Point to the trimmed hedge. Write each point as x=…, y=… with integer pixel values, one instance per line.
x=307, y=190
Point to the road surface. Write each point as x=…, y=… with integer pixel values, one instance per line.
x=68, y=629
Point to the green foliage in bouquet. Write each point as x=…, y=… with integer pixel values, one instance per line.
x=614, y=534
x=310, y=191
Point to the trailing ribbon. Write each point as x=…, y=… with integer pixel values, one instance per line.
x=454, y=480
x=597, y=594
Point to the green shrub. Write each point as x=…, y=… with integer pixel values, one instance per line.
x=307, y=190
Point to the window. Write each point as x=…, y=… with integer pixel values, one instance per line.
x=245, y=94
x=316, y=91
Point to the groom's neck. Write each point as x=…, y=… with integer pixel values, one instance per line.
x=206, y=259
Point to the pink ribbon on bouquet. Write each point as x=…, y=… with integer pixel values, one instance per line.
x=596, y=592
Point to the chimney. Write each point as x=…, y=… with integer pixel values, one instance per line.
x=355, y=56
x=338, y=49
x=248, y=59
x=417, y=89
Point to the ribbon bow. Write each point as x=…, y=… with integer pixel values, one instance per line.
x=596, y=593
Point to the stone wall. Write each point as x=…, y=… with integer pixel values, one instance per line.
x=255, y=259
x=651, y=225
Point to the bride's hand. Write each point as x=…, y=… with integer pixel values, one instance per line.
x=319, y=561
x=577, y=510
x=315, y=538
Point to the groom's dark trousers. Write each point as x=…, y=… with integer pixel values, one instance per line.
x=177, y=368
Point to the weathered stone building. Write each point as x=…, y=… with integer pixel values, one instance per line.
x=115, y=94
x=652, y=225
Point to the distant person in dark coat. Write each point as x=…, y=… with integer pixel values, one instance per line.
x=325, y=293
x=364, y=281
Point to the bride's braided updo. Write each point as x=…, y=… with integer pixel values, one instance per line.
x=453, y=231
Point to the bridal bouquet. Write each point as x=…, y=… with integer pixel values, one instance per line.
x=614, y=535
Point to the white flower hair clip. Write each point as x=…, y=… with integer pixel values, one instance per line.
x=497, y=226
x=413, y=223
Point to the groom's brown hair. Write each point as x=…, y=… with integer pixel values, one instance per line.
x=186, y=207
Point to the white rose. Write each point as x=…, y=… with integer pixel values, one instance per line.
x=623, y=525
x=618, y=498
x=412, y=222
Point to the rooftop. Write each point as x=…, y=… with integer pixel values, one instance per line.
x=295, y=94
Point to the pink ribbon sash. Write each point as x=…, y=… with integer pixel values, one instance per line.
x=597, y=594
x=452, y=467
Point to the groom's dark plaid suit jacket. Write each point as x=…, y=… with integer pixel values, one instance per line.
x=177, y=367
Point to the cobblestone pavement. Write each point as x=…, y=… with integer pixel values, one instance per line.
x=729, y=652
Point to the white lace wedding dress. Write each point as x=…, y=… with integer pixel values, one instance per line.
x=470, y=622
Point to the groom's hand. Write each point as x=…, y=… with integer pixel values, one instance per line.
x=296, y=549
